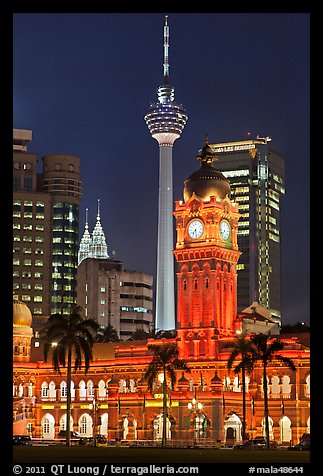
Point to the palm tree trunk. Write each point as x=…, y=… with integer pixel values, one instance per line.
x=266, y=403
x=69, y=397
x=164, y=436
x=243, y=375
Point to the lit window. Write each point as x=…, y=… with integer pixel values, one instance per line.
x=102, y=301
x=39, y=239
x=25, y=297
x=27, y=262
x=39, y=262
x=38, y=299
x=16, y=262
x=27, y=238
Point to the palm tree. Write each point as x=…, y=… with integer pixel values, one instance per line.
x=165, y=360
x=109, y=334
x=69, y=336
x=244, y=350
x=266, y=351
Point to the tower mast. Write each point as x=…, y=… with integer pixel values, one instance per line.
x=166, y=121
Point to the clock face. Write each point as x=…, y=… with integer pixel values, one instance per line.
x=195, y=229
x=224, y=230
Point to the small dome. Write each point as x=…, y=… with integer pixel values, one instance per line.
x=21, y=314
x=207, y=181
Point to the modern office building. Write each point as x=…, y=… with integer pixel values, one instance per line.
x=256, y=175
x=107, y=291
x=113, y=295
x=166, y=121
x=45, y=227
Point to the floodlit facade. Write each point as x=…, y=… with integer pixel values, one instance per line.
x=207, y=255
x=45, y=227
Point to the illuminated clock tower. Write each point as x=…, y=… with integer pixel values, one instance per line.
x=206, y=254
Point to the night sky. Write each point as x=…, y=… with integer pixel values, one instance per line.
x=82, y=82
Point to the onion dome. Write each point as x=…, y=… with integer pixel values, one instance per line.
x=207, y=181
x=21, y=314
x=216, y=378
x=183, y=380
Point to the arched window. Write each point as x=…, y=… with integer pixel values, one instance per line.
x=184, y=284
x=21, y=390
x=103, y=428
x=44, y=390
x=158, y=428
x=236, y=384
x=122, y=385
x=226, y=383
x=232, y=429
x=48, y=426
x=308, y=387
x=200, y=426
x=102, y=390
x=85, y=425
x=206, y=282
x=263, y=425
x=247, y=381
x=82, y=388
x=30, y=390
x=195, y=283
x=52, y=390
x=62, y=423
x=63, y=389
x=72, y=390
x=275, y=387
x=285, y=432
x=286, y=387
x=90, y=389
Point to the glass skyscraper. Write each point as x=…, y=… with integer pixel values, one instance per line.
x=256, y=174
x=45, y=228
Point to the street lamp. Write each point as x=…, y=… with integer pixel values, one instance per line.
x=195, y=408
x=94, y=407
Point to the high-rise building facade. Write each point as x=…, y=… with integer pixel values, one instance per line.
x=256, y=175
x=113, y=295
x=45, y=228
x=166, y=121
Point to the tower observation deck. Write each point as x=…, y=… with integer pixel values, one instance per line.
x=166, y=121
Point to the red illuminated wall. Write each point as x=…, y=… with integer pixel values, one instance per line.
x=206, y=277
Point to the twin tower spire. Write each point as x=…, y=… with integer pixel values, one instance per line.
x=94, y=246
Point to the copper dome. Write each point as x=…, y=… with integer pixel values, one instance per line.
x=21, y=314
x=207, y=181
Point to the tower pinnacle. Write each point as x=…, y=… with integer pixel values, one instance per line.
x=166, y=46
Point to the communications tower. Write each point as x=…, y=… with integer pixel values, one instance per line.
x=166, y=121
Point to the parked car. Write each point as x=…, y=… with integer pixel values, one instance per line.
x=256, y=443
x=74, y=434
x=100, y=440
x=22, y=440
x=303, y=445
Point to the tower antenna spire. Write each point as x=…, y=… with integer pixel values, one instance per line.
x=98, y=214
x=166, y=46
